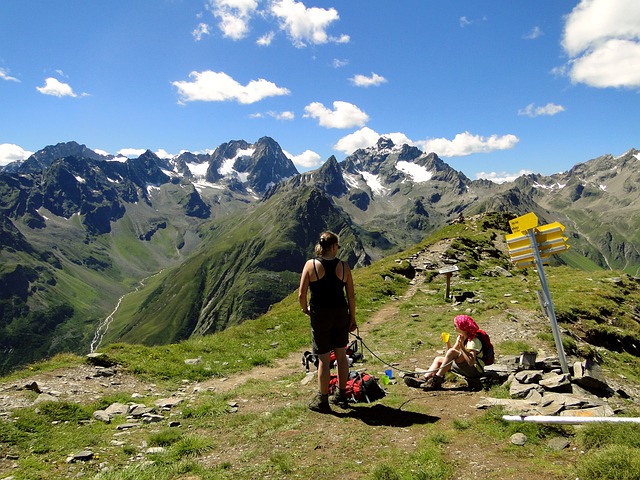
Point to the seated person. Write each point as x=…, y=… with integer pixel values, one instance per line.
x=464, y=357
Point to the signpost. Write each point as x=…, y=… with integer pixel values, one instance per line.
x=448, y=271
x=528, y=245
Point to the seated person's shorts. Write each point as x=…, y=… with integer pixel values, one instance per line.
x=464, y=369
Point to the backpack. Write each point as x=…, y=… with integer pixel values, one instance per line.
x=353, y=355
x=361, y=387
x=488, y=352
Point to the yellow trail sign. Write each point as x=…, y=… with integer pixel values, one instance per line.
x=524, y=222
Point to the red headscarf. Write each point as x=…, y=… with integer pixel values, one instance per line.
x=467, y=324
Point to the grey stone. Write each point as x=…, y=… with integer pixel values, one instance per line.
x=521, y=390
x=45, y=397
x=529, y=376
x=518, y=439
x=100, y=360
x=117, y=409
x=558, y=443
x=557, y=383
x=102, y=416
x=169, y=402
x=83, y=456
x=588, y=374
x=127, y=426
x=601, y=411
x=148, y=418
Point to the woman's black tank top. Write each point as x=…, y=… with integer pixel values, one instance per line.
x=328, y=292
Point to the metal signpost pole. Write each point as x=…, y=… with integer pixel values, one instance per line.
x=549, y=304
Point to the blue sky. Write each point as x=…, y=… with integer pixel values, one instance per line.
x=495, y=88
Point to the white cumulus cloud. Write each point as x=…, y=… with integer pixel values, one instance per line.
x=233, y=16
x=466, y=144
x=306, y=25
x=306, y=160
x=343, y=115
x=549, y=109
x=602, y=39
x=56, y=88
x=364, y=81
x=463, y=143
x=501, y=177
x=12, y=153
x=211, y=86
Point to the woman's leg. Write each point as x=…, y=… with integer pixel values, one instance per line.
x=343, y=367
x=434, y=367
x=324, y=372
x=449, y=357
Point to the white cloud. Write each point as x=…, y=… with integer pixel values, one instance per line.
x=501, y=177
x=4, y=75
x=464, y=21
x=12, y=153
x=234, y=16
x=266, y=39
x=343, y=115
x=364, y=81
x=131, y=152
x=211, y=86
x=467, y=144
x=201, y=30
x=307, y=159
x=306, y=25
x=56, y=88
x=136, y=152
x=463, y=144
x=282, y=115
x=549, y=109
x=602, y=37
x=534, y=33
x=366, y=137
x=339, y=63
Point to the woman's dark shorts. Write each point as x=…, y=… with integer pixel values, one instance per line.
x=329, y=329
x=463, y=368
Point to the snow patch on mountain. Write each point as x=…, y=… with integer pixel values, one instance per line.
x=198, y=170
x=374, y=183
x=418, y=173
x=554, y=186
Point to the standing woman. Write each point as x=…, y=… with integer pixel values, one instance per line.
x=332, y=316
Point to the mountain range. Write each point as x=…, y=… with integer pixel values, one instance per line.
x=98, y=249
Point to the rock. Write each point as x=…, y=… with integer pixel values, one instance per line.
x=156, y=450
x=127, y=426
x=588, y=375
x=83, y=456
x=102, y=416
x=169, y=402
x=45, y=397
x=521, y=390
x=556, y=383
x=528, y=376
x=105, y=372
x=601, y=411
x=193, y=361
x=139, y=410
x=117, y=409
x=100, y=360
x=149, y=418
x=558, y=443
x=33, y=386
x=518, y=439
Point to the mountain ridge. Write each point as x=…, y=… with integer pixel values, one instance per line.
x=124, y=219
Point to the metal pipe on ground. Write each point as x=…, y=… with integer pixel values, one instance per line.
x=568, y=420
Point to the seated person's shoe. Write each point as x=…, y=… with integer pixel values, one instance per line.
x=413, y=382
x=434, y=383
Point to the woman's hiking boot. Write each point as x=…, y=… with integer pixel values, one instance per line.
x=320, y=403
x=433, y=383
x=339, y=398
